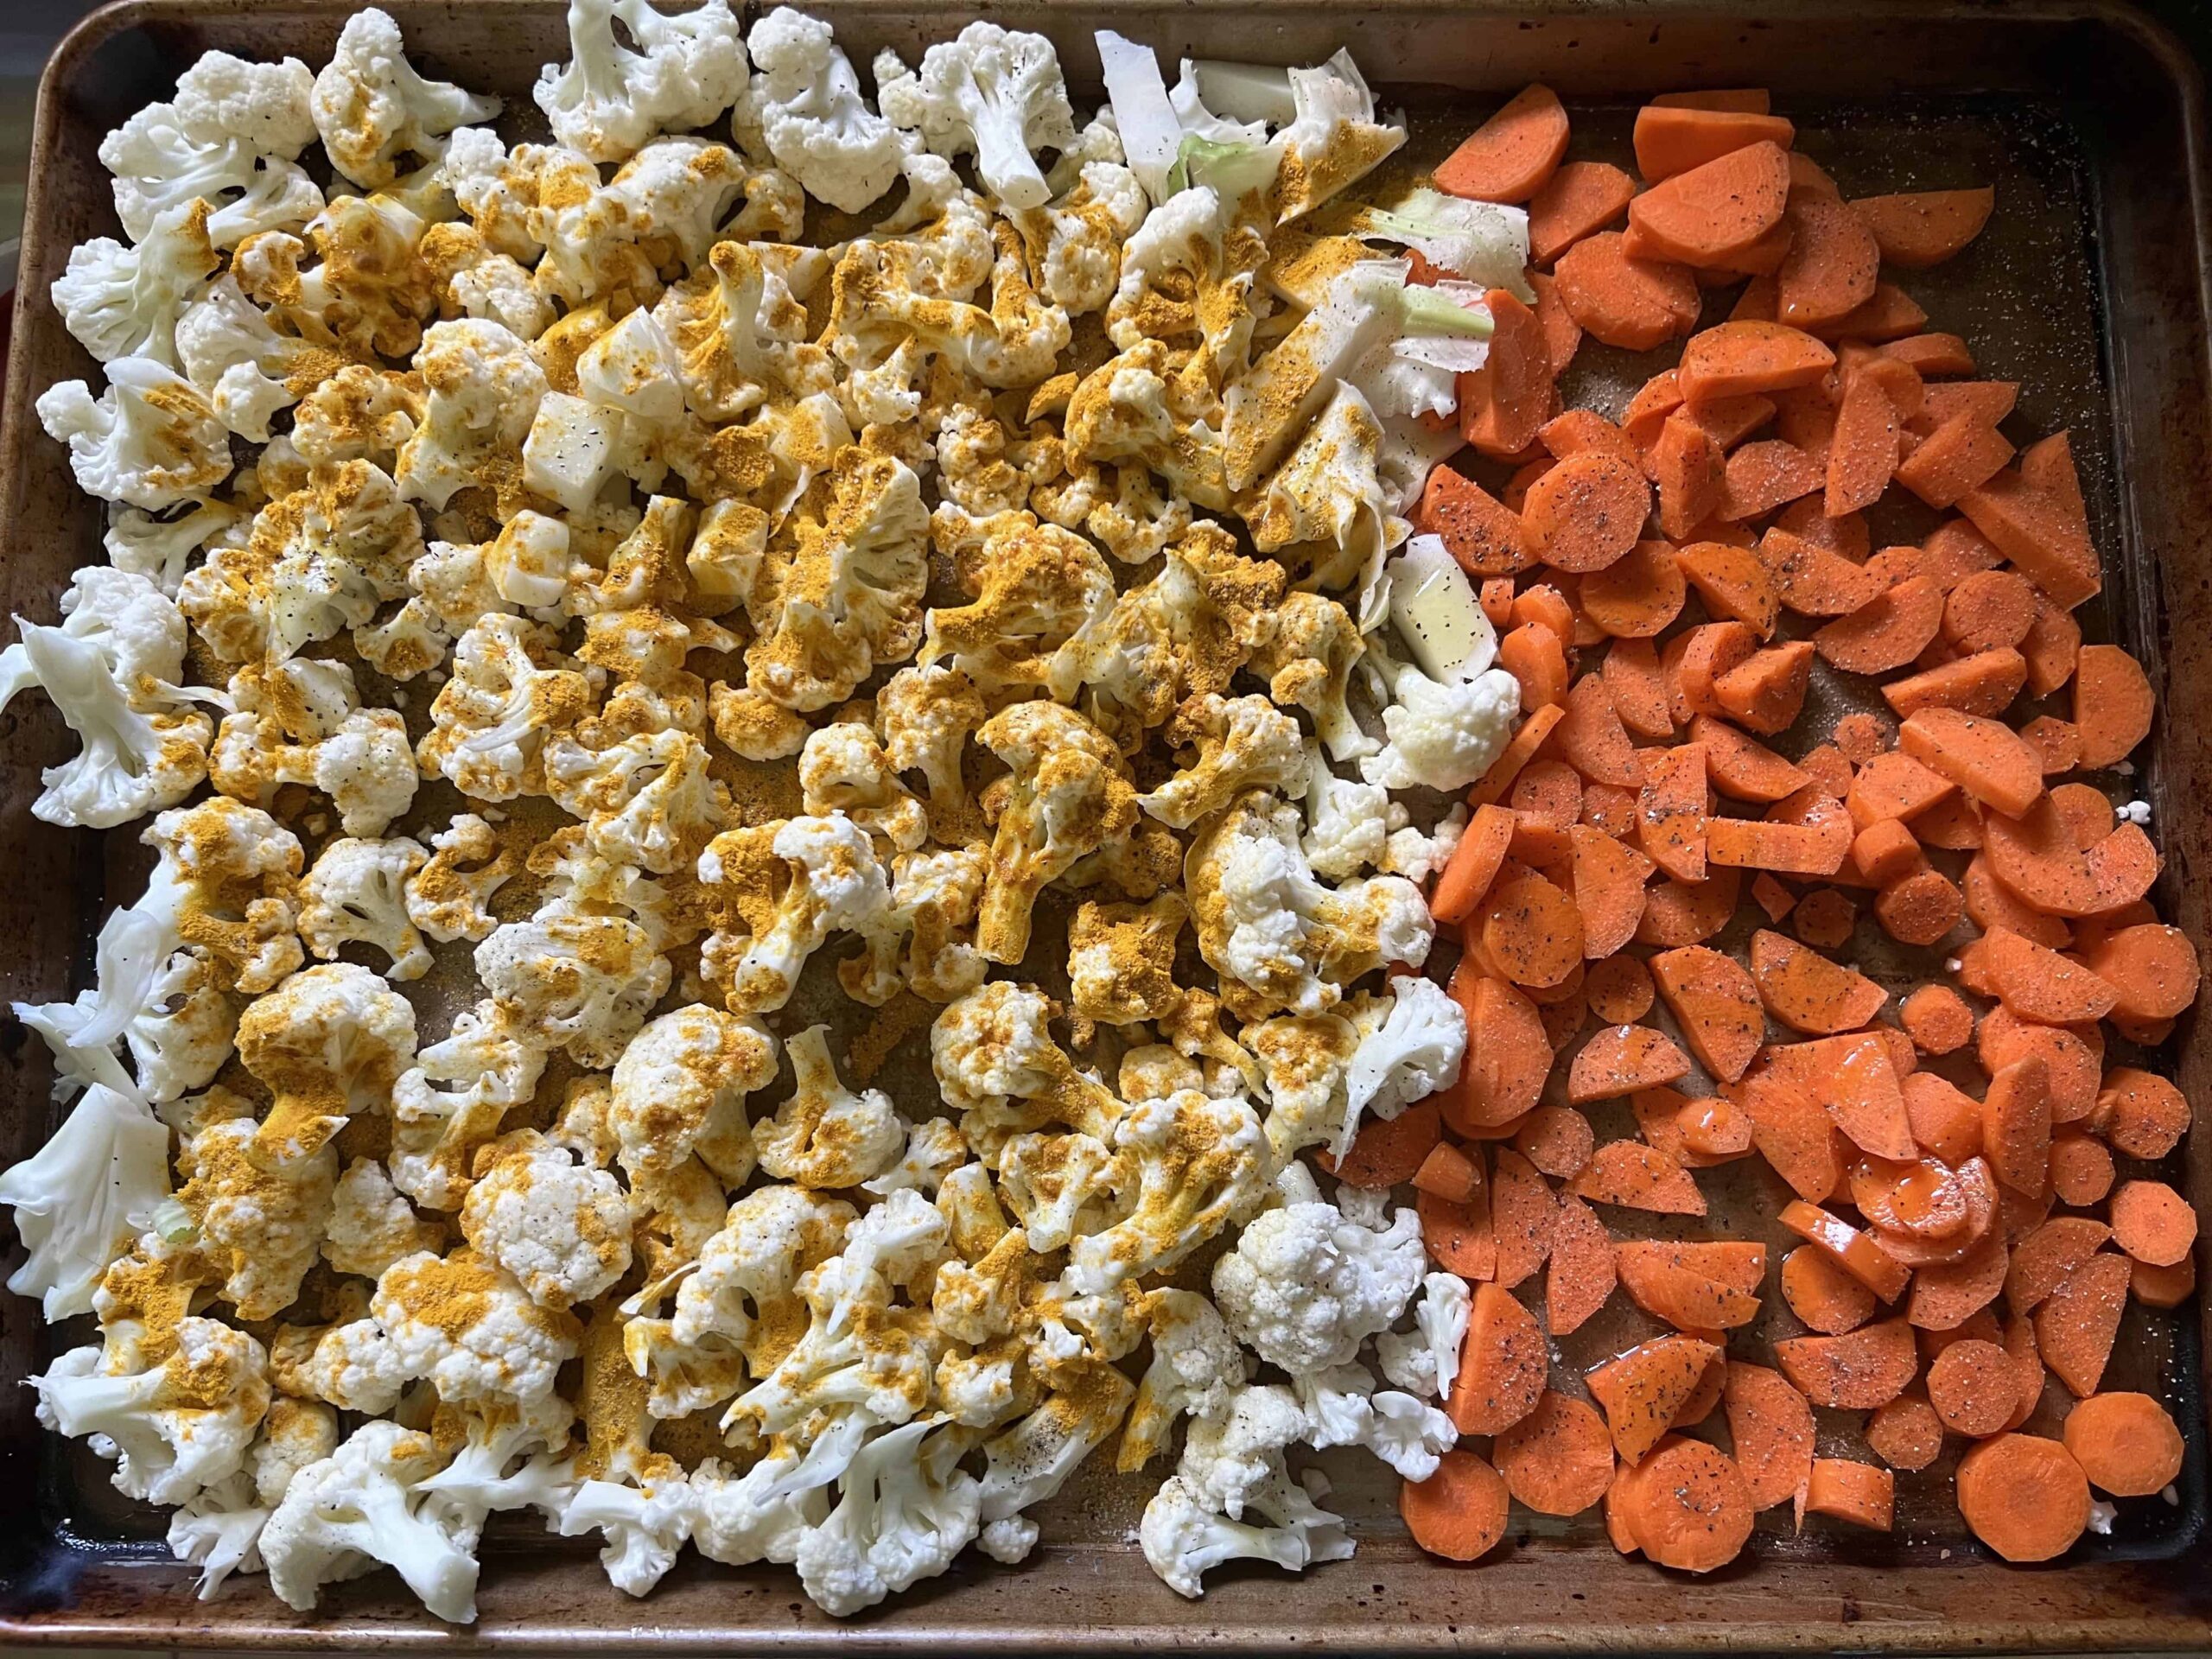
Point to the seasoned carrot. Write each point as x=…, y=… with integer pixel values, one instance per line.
x=1811, y=581
x=1889, y=313
x=1729, y=421
x=1562, y=333
x=1946, y=1122
x=1926, y=227
x=1558, y=1459
x=1507, y=1059
x=1847, y=1491
x=1522, y=1209
x=1460, y=1512
x=1536, y=658
x=1609, y=878
x=2127, y=1444
x=2024, y=1496
x=1503, y=1365
x=1822, y=1295
x=1766, y=690
x=2049, y=1257
x=1984, y=683
x=1689, y=468
x=2124, y=865
x=1832, y=265
x=2162, y=1287
x=1771, y=1429
x=1792, y=1134
x=1580, y=197
x=1936, y=1019
x=1459, y=1234
x=2112, y=705
x=2039, y=534
x=1655, y=400
x=1734, y=584
x=1512, y=155
x=1530, y=929
x=1557, y=1140
x=1741, y=767
x=2141, y=1114
x=1632, y=673
x=1671, y=139
x=2036, y=859
x=1893, y=785
x=1715, y=1129
x=1694, y=660
x=1737, y=359
x=1586, y=512
x=2075, y=1061
x=1716, y=1003
x=1592, y=739
x=1932, y=354
x=1580, y=1275
x=1689, y=912
x=1634, y=304
x=2081, y=1170
x=1388, y=1151
x=1478, y=529
x=1549, y=791
x=1760, y=477
x=2016, y=1124
x=1671, y=812
x=1715, y=215
x=1584, y=429
x=1855, y=1078
x=1447, y=1173
x=1473, y=865
x=1857, y=1372
x=1886, y=632
x=2076, y=1323
x=1864, y=451
x=2037, y=984
x=1807, y=992
x=1620, y=990
x=1503, y=402
x=1689, y=1507
x=1747, y=100
x=1643, y=1390
x=1946, y=1294
x=1776, y=901
x=1519, y=750
x=1633, y=1176
x=1851, y=1249
x=1985, y=758
x=1962, y=455
x=1636, y=595
x=1973, y=1386
x=1816, y=846
x=2152, y=1223
x=1905, y=1433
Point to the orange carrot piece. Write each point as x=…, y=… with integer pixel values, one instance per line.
x=1609, y=883
x=1893, y=785
x=1851, y=1249
x=1936, y=1019
x=1522, y=1209
x=1507, y=1059
x=2049, y=1257
x=1974, y=1387
x=1818, y=848
x=1689, y=468
x=1885, y=851
x=1832, y=266
x=1503, y=1365
x=1580, y=197
x=1618, y=1060
x=1771, y=1429
x=1386, y=1151
x=1634, y=304
x=2152, y=1223
x=1776, y=901
x=1460, y=1512
x=1633, y=1176
x=1905, y=1433
x=2039, y=534
x=1760, y=477
x=1946, y=1122
x=1736, y=359
x=1931, y=354
x=1857, y=1372
x=1962, y=455
x=1580, y=1276
x=1946, y=1294
x=1562, y=333
x=2127, y=1444
x=1792, y=1134
x=2164, y=1287
x=2076, y=1062
x=1473, y=866
x=1559, y=1459
x=1742, y=768
x=1620, y=990
x=1689, y=912
x=1689, y=1507
x=1985, y=758
x=1478, y=529
x=2081, y=1170
x=1637, y=595
x=1733, y=583
x=1885, y=633
x=2024, y=1496
x=2037, y=984
x=1503, y=402
x=1925, y=227
x=2016, y=1125
x=2034, y=858
x=1592, y=739
x=1855, y=1078
x=1889, y=313
x=1449, y=1174
x=1670, y=139
x=1586, y=512
x=1704, y=215
x=1512, y=155
x=1807, y=992
x=1643, y=1390
x=1984, y=683
x=1864, y=451
x=2076, y=1323
x=1847, y=1491
x=2112, y=705
x=2141, y=1114
x=1811, y=581
x=1573, y=430
x=1631, y=669
x=1825, y=1298
x=1669, y=1282
x=1530, y=929
x=1670, y=813
x=1459, y=1234
x=1825, y=918
x=1519, y=750
x=1716, y=1003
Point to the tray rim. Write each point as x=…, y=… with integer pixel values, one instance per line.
x=2174, y=1626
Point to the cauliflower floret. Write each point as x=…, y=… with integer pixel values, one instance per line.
x=356, y=893
x=577, y=981
x=1417, y=855
x=1425, y=1361
x=181, y=1037
x=447, y=902
x=1304, y=1286
x=233, y=126
x=1303, y=1059
x=328, y=1043
x=1347, y=823
x=992, y=93
x=477, y=280
x=1278, y=936
x=151, y=440
x=806, y=102
x=1307, y=659
x=1408, y=1051
x=483, y=389
x=644, y=1525
x=679, y=1088
x=1121, y=960
x=352, y=1365
x=1442, y=735
x=561, y=1230
x=1327, y=500
x=935, y=1147
x=1335, y=139
x=924, y=940
x=358, y=414
x=747, y=1272
x=1243, y=743
x=907, y=1509
x=1075, y=241
x=370, y=1225
x=175, y=1428
x=1069, y=796
x=490, y=723
x=259, y=1228
x=300, y=723
x=82, y=1199
x=487, y=1067
x=372, y=106
x=362, y=1505
x=1197, y=1163
x=508, y=1459
x=1057, y=1186
x=124, y=301
x=686, y=70
x=825, y=1136
x=1037, y=589
x=732, y=333
x=248, y=371
x=1197, y=1368
x=160, y=549
x=844, y=768
x=1184, y=1539
x=995, y=1061
x=468, y=1326
x=1027, y=1463
x=367, y=291
x=776, y=892
x=1343, y=1408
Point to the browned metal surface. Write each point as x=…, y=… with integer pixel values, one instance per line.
x=2089, y=288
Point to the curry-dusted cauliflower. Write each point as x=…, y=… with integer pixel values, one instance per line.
x=357, y=894
x=776, y=893
x=151, y=440
x=1038, y=590
x=561, y=1230
x=1242, y=743
x=259, y=1227
x=372, y=106
x=825, y=1136
x=448, y=901
x=328, y=1043
x=679, y=1090
x=470, y=1327
x=451, y=1101
x=1069, y=797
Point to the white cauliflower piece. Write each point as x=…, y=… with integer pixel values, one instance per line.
x=175, y=1428
x=372, y=1225
x=1347, y=823
x=362, y=1505
x=1417, y=855
x=124, y=301
x=1425, y=1361
x=1069, y=797
x=257, y=1228
x=825, y=1136
x=468, y=1326
x=679, y=1090
x=992, y=93
x=777, y=892
x=490, y=723
x=372, y=106
x=84, y=1196
x=1075, y=240
x=1184, y=1538
x=1307, y=660
x=150, y=440
x=300, y=723
x=572, y=981
x=1411, y=1051
x=1059, y=1186
x=328, y=1043
x=248, y=371
x=509, y=1459
x=357, y=894
x=1304, y=1287
x=181, y=1036
x=1029, y=1462
x=645, y=1525
x=1197, y=1368
x=924, y=940
x=1343, y=1408
x=218, y=1531
x=484, y=390
x=485, y=1067
x=160, y=549
x=560, y=1229
x=844, y=768
x=448, y=901
x=233, y=126
x=684, y=70
x=1334, y=140
x=906, y=1511
x=806, y=102
x=1442, y=736
x=935, y=1147
x=995, y=1060
x=1198, y=1163
x=1243, y=743
x=1303, y=1059
x=925, y=715
x=352, y=1365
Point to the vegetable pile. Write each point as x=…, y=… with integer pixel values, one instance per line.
x=613, y=637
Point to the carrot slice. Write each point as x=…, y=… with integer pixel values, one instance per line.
x=1857, y=1372
x=1447, y=1173
x=1388, y=1151
x=1771, y=1428
x=1643, y=1390
x=2016, y=1125
x=1478, y=529
x=1671, y=138
x=1822, y=1295
x=1811, y=581
x=2076, y=1323
x=1733, y=583
x=1974, y=1387
x=1512, y=155
x=1816, y=846
x=1460, y=1512
x=2081, y=1170
x=1686, y=913
x=1946, y=1294
x=2024, y=1496
x=1864, y=451
x=1503, y=1365
x=2037, y=984
x=2039, y=535
x=1633, y=1176
x=1766, y=690
x=1962, y=455
x=1985, y=758
x=1925, y=227
x=1742, y=767
x=1885, y=633
x=1984, y=683
x=1855, y=1078
x=1591, y=739
x=1459, y=1234
x=1888, y=313
x=1559, y=1459
x=1581, y=1274
x=1620, y=990
x=1689, y=1507
x=1634, y=304
x=1716, y=1003
x=1809, y=993
x=1760, y=477
x=1670, y=811
x=1557, y=1140
x=1735, y=360
x=2049, y=1257
x=1473, y=865
x=1586, y=512
x=1630, y=670
x=1609, y=878
x=1522, y=1212
x=1507, y=1059
x=1503, y=402
x=2164, y=1287
x=1905, y=1433
x=2112, y=705
x=1931, y=354
x=1580, y=197
x=1705, y=214
x=2152, y=1223
x=1847, y=1491
x=2141, y=1114
x=1792, y=1134
x=1832, y=265
x=1687, y=466
x=1849, y=1249
x=2034, y=858
x=2075, y=1061
x=1636, y=595
x=2053, y=648
x=2127, y=1444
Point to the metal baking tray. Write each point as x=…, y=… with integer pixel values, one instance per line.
x=2090, y=289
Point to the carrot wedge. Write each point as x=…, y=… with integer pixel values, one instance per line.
x=1503, y=1365
x=1641, y=1391
x=1925, y=227
x=1633, y=1176
x=1716, y=1003
x=1511, y=155
x=1849, y=1249
x=1985, y=758
x=1670, y=139
x=1736, y=359
x=1807, y=992
x=1857, y=1371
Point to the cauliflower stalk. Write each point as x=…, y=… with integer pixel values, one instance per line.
x=992, y=93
